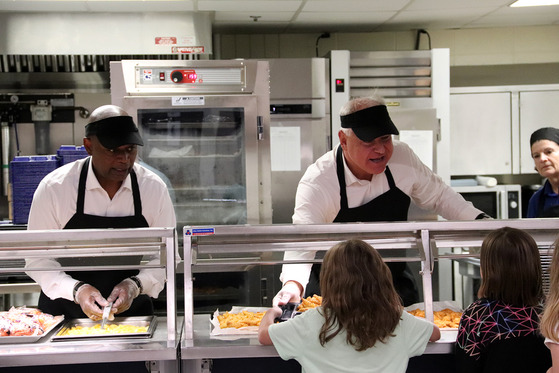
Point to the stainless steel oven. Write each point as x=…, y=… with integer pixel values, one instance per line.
x=206, y=130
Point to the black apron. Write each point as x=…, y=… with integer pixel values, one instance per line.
x=390, y=206
x=104, y=281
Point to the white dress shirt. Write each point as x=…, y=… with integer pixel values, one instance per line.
x=318, y=196
x=54, y=203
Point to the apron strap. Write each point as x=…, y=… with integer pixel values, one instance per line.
x=389, y=178
x=136, y=194
x=81, y=187
x=341, y=178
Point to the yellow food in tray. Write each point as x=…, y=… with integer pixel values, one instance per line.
x=239, y=320
x=109, y=329
x=446, y=318
x=310, y=302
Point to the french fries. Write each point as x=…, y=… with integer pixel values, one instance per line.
x=310, y=302
x=446, y=318
x=239, y=320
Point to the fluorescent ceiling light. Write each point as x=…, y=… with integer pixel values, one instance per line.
x=520, y=3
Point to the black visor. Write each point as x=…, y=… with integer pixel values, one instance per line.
x=113, y=132
x=370, y=123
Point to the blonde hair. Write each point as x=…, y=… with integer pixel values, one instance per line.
x=550, y=318
x=358, y=295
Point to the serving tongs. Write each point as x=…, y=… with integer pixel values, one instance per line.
x=106, y=314
x=288, y=311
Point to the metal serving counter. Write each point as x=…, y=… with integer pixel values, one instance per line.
x=103, y=249
x=47, y=352
x=188, y=345
x=206, y=346
x=426, y=242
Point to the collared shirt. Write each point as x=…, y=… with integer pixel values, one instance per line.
x=550, y=199
x=54, y=203
x=318, y=196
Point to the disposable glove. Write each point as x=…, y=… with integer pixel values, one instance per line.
x=91, y=301
x=123, y=295
x=290, y=292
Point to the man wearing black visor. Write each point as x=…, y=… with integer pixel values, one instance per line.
x=108, y=189
x=367, y=178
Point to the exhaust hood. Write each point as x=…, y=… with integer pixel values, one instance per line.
x=87, y=42
x=106, y=33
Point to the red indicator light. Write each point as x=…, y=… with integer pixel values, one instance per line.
x=162, y=76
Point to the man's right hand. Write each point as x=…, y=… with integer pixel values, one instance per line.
x=290, y=292
x=89, y=299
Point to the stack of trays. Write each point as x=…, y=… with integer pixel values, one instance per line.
x=25, y=174
x=70, y=153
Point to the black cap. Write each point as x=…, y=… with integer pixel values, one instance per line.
x=546, y=133
x=113, y=132
x=370, y=123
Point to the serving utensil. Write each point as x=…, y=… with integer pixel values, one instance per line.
x=106, y=314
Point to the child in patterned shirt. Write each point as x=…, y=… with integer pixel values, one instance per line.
x=499, y=332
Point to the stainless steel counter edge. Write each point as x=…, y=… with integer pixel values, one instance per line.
x=47, y=352
x=204, y=346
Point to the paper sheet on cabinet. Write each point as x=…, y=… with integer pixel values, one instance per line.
x=285, y=148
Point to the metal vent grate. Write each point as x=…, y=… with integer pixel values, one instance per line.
x=76, y=63
x=390, y=74
x=545, y=259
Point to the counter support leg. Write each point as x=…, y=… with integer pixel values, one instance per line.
x=163, y=366
x=196, y=366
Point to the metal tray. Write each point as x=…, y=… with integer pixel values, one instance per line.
x=149, y=321
x=31, y=338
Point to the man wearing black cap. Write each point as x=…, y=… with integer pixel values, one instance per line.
x=544, y=145
x=108, y=189
x=367, y=178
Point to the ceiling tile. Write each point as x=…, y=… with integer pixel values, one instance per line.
x=250, y=5
x=356, y=6
x=246, y=16
x=455, y=4
x=342, y=17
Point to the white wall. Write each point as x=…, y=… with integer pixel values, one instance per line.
x=468, y=47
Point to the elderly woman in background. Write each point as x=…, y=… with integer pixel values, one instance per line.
x=544, y=145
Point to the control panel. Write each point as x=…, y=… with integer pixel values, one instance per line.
x=181, y=76
x=190, y=77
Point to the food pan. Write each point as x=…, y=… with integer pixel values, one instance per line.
x=31, y=338
x=149, y=321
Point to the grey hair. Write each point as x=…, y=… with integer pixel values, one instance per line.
x=361, y=103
